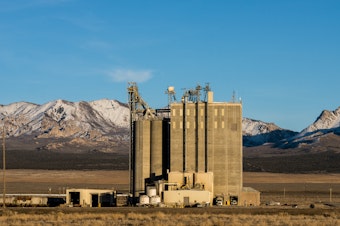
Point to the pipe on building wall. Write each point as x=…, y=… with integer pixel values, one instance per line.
x=206, y=136
x=184, y=135
x=197, y=137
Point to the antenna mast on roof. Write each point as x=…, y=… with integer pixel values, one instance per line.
x=193, y=95
x=206, y=89
x=233, y=98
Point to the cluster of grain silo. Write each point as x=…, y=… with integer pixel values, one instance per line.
x=191, y=152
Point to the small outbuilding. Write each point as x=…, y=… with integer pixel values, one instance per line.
x=249, y=197
x=90, y=198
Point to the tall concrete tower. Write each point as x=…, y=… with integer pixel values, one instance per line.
x=192, y=144
x=207, y=137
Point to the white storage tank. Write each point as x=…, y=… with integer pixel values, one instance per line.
x=155, y=200
x=151, y=191
x=171, y=89
x=144, y=200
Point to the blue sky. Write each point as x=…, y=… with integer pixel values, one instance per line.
x=281, y=57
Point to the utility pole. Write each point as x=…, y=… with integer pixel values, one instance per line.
x=4, y=167
x=284, y=193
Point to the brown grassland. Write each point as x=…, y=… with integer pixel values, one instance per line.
x=164, y=216
x=298, y=190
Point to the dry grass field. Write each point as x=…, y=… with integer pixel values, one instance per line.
x=164, y=216
x=300, y=189
x=283, y=188
x=56, y=181
x=295, y=188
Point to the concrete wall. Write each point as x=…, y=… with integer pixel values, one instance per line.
x=156, y=147
x=198, y=181
x=150, y=152
x=188, y=143
x=142, y=155
x=225, y=147
x=207, y=137
x=207, y=180
x=249, y=197
x=176, y=138
x=177, y=197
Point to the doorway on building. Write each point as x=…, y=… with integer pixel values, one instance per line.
x=95, y=200
x=186, y=201
x=75, y=198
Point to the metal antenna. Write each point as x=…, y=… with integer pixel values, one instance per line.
x=198, y=93
x=194, y=95
x=185, y=95
x=233, y=99
x=206, y=89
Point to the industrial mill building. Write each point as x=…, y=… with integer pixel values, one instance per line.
x=189, y=153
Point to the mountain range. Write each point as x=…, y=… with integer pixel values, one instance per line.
x=107, y=121
x=100, y=129
x=69, y=126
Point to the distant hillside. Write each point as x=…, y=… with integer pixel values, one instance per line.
x=315, y=149
x=60, y=124
x=75, y=135
x=257, y=133
x=90, y=123
x=323, y=128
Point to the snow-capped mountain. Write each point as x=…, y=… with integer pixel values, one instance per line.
x=252, y=127
x=60, y=125
x=327, y=120
x=257, y=132
x=61, y=118
x=325, y=126
x=108, y=121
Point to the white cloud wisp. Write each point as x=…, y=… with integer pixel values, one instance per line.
x=127, y=75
